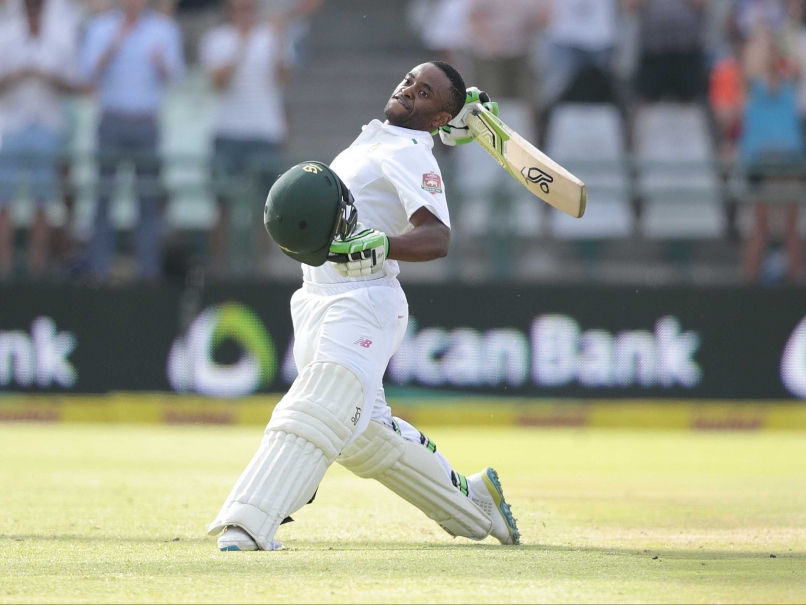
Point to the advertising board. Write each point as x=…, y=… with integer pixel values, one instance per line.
x=525, y=341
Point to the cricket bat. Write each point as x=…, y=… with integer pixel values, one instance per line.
x=536, y=171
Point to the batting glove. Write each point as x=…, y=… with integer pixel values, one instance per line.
x=363, y=253
x=456, y=131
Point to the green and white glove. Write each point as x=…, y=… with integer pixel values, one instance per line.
x=361, y=254
x=456, y=131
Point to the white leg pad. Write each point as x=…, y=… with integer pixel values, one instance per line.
x=412, y=472
x=307, y=430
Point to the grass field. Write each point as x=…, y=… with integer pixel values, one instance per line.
x=99, y=513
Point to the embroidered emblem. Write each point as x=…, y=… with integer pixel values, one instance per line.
x=432, y=182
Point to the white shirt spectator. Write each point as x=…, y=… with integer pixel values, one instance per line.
x=586, y=24
x=504, y=28
x=443, y=24
x=252, y=105
x=65, y=15
x=33, y=101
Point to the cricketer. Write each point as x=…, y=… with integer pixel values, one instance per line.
x=350, y=316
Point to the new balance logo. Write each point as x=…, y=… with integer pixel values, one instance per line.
x=538, y=177
x=363, y=342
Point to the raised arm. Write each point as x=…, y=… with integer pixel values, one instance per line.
x=100, y=47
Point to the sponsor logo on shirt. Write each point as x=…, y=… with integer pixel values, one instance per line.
x=432, y=182
x=363, y=342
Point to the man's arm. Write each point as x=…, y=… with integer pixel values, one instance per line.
x=219, y=61
x=12, y=79
x=365, y=252
x=99, y=50
x=429, y=240
x=221, y=76
x=58, y=82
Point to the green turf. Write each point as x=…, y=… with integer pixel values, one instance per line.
x=118, y=514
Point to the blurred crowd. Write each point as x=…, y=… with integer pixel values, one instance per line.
x=741, y=61
x=126, y=55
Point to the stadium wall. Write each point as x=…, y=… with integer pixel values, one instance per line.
x=681, y=357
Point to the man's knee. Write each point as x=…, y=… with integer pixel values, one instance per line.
x=373, y=452
x=323, y=407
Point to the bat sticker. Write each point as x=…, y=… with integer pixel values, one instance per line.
x=538, y=177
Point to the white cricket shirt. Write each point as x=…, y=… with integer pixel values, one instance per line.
x=392, y=173
x=252, y=105
x=33, y=101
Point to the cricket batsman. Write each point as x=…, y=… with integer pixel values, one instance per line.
x=349, y=318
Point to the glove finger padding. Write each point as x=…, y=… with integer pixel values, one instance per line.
x=456, y=131
x=361, y=254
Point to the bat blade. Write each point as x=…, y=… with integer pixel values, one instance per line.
x=536, y=171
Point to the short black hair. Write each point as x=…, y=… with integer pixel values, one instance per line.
x=458, y=91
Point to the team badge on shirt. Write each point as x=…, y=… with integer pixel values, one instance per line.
x=432, y=182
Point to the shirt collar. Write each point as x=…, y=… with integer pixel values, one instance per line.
x=419, y=136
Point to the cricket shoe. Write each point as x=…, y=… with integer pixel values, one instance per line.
x=486, y=492
x=234, y=538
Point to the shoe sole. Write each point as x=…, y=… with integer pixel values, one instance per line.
x=493, y=484
x=235, y=548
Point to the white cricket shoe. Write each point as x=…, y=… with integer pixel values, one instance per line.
x=234, y=538
x=486, y=492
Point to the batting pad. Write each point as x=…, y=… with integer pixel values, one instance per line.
x=413, y=472
x=307, y=430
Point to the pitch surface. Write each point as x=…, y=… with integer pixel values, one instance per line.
x=99, y=513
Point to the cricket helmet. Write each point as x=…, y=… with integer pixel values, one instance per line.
x=307, y=208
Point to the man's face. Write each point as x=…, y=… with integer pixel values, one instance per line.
x=243, y=9
x=33, y=7
x=134, y=6
x=420, y=100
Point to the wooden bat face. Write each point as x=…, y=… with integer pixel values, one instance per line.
x=541, y=175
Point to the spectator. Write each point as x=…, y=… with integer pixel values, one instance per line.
x=65, y=15
x=443, y=26
x=581, y=34
x=37, y=69
x=293, y=17
x=751, y=14
x=131, y=54
x=248, y=66
x=771, y=147
x=726, y=99
x=502, y=33
x=672, y=60
x=801, y=59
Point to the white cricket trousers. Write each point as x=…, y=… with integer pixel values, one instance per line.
x=359, y=325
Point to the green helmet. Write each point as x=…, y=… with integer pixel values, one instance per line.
x=307, y=208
